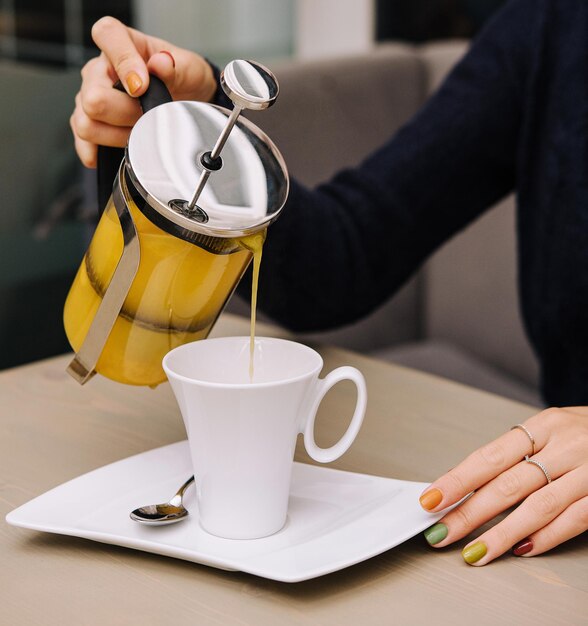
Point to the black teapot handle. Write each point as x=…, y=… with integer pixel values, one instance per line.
x=109, y=159
x=155, y=95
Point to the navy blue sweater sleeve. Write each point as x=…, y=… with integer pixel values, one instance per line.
x=340, y=250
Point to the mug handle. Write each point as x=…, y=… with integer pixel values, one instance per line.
x=326, y=455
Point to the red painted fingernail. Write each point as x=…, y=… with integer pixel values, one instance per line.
x=523, y=547
x=170, y=55
x=431, y=499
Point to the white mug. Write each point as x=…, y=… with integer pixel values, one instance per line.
x=242, y=431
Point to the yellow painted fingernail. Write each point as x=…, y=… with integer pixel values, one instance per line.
x=431, y=499
x=472, y=554
x=134, y=82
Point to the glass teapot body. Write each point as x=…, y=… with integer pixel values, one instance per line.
x=160, y=267
x=178, y=291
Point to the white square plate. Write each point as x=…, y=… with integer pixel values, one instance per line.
x=335, y=518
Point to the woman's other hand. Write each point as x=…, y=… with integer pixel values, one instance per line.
x=105, y=116
x=550, y=487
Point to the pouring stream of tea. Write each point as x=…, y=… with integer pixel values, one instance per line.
x=254, y=243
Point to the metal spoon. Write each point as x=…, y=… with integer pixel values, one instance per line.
x=165, y=513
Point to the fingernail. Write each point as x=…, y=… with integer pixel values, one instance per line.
x=472, y=554
x=431, y=499
x=170, y=55
x=436, y=533
x=134, y=83
x=523, y=547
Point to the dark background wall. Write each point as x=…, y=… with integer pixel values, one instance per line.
x=422, y=20
x=54, y=32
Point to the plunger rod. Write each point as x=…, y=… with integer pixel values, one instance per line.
x=218, y=146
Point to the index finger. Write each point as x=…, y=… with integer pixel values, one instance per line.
x=479, y=468
x=118, y=46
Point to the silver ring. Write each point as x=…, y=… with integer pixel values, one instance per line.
x=540, y=466
x=529, y=435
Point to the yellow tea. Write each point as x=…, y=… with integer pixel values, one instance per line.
x=176, y=296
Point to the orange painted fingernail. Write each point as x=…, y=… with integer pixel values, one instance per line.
x=134, y=82
x=170, y=55
x=431, y=499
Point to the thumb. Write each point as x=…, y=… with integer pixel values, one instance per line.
x=116, y=43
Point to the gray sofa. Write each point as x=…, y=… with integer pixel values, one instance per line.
x=458, y=317
x=41, y=242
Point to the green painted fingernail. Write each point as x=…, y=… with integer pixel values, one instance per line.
x=472, y=554
x=436, y=533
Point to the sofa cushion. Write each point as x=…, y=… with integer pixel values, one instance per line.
x=470, y=285
x=444, y=359
x=37, y=160
x=38, y=173
x=332, y=113
x=471, y=297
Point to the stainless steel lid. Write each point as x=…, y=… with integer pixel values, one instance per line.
x=163, y=160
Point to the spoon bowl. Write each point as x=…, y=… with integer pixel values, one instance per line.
x=165, y=513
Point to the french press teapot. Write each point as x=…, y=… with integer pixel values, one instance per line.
x=178, y=231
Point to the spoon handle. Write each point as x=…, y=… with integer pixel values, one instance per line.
x=185, y=486
x=177, y=499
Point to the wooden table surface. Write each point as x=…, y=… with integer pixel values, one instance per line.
x=417, y=426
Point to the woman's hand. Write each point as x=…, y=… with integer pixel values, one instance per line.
x=500, y=477
x=105, y=116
